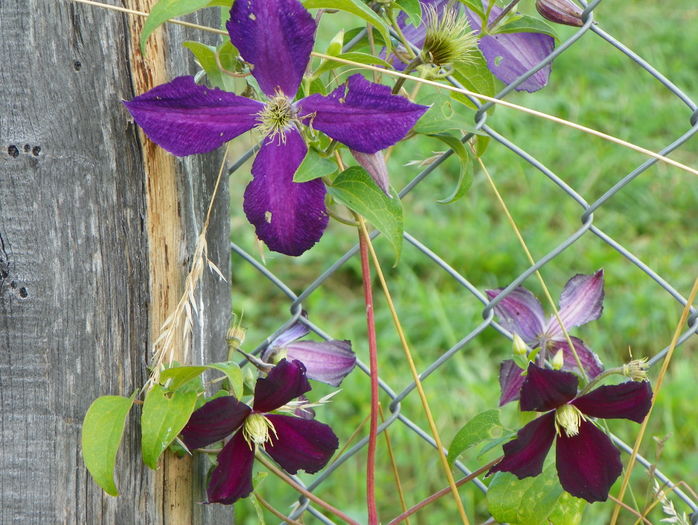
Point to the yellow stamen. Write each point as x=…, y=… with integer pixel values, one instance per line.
x=256, y=430
x=568, y=418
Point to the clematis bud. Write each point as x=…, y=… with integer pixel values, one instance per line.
x=561, y=12
x=519, y=346
x=636, y=369
x=558, y=360
x=448, y=38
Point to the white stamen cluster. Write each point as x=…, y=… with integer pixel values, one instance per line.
x=256, y=430
x=276, y=117
x=568, y=418
x=449, y=39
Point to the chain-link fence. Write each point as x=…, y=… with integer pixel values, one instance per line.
x=588, y=228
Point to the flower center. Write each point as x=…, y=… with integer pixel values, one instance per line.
x=449, y=38
x=276, y=117
x=256, y=430
x=568, y=418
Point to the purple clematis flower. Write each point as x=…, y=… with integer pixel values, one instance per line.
x=327, y=361
x=586, y=460
x=294, y=443
x=520, y=312
x=276, y=38
x=508, y=55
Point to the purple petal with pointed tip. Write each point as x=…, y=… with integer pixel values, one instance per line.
x=214, y=421
x=630, y=400
x=374, y=164
x=290, y=217
x=329, y=361
x=520, y=313
x=581, y=301
x=292, y=333
x=276, y=37
x=185, y=118
x=524, y=456
x=510, y=381
x=587, y=464
x=232, y=478
x=510, y=55
x=544, y=390
x=301, y=444
x=285, y=382
x=590, y=361
x=365, y=116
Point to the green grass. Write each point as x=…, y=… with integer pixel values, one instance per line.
x=654, y=217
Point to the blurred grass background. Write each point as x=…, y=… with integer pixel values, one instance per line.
x=655, y=217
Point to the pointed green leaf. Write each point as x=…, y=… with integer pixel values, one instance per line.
x=357, y=190
x=232, y=371
x=465, y=176
x=102, y=431
x=527, y=24
x=413, y=9
x=444, y=114
x=313, y=167
x=475, y=76
x=355, y=7
x=166, y=9
x=180, y=375
x=354, y=56
x=475, y=5
x=164, y=416
x=483, y=426
x=206, y=57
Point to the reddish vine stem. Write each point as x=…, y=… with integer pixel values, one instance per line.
x=442, y=492
x=373, y=362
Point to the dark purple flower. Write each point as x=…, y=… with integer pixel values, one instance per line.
x=294, y=443
x=520, y=312
x=276, y=37
x=327, y=361
x=508, y=55
x=586, y=460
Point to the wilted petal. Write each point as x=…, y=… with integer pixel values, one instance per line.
x=232, y=478
x=524, y=456
x=588, y=463
x=185, y=118
x=328, y=361
x=510, y=381
x=365, y=116
x=374, y=164
x=520, y=313
x=590, y=361
x=546, y=389
x=301, y=443
x=292, y=333
x=214, y=421
x=285, y=382
x=631, y=400
x=276, y=37
x=510, y=55
x=581, y=301
x=290, y=217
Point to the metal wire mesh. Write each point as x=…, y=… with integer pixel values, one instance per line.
x=586, y=215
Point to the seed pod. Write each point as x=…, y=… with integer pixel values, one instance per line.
x=561, y=12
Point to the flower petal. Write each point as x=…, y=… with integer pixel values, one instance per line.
x=232, y=478
x=285, y=382
x=290, y=217
x=590, y=361
x=365, y=116
x=630, y=400
x=510, y=381
x=214, y=421
x=588, y=463
x=374, y=164
x=546, y=389
x=510, y=55
x=520, y=313
x=292, y=333
x=328, y=361
x=301, y=443
x=276, y=37
x=581, y=301
x=185, y=118
x=524, y=456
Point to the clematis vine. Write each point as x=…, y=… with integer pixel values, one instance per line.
x=328, y=361
x=587, y=462
x=276, y=38
x=508, y=55
x=293, y=442
x=521, y=313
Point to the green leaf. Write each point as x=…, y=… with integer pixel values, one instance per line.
x=164, y=416
x=483, y=426
x=232, y=371
x=336, y=44
x=355, y=7
x=166, y=9
x=413, y=9
x=444, y=114
x=256, y=482
x=530, y=501
x=475, y=76
x=206, y=57
x=180, y=375
x=475, y=5
x=465, y=177
x=313, y=167
x=489, y=445
x=357, y=190
x=527, y=24
x=102, y=431
x=354, y=56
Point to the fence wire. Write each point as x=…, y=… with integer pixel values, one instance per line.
x=590, y=29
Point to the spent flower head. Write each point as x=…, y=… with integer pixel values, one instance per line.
x=448, y=38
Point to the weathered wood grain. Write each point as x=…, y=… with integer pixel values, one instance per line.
x=75, y=282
